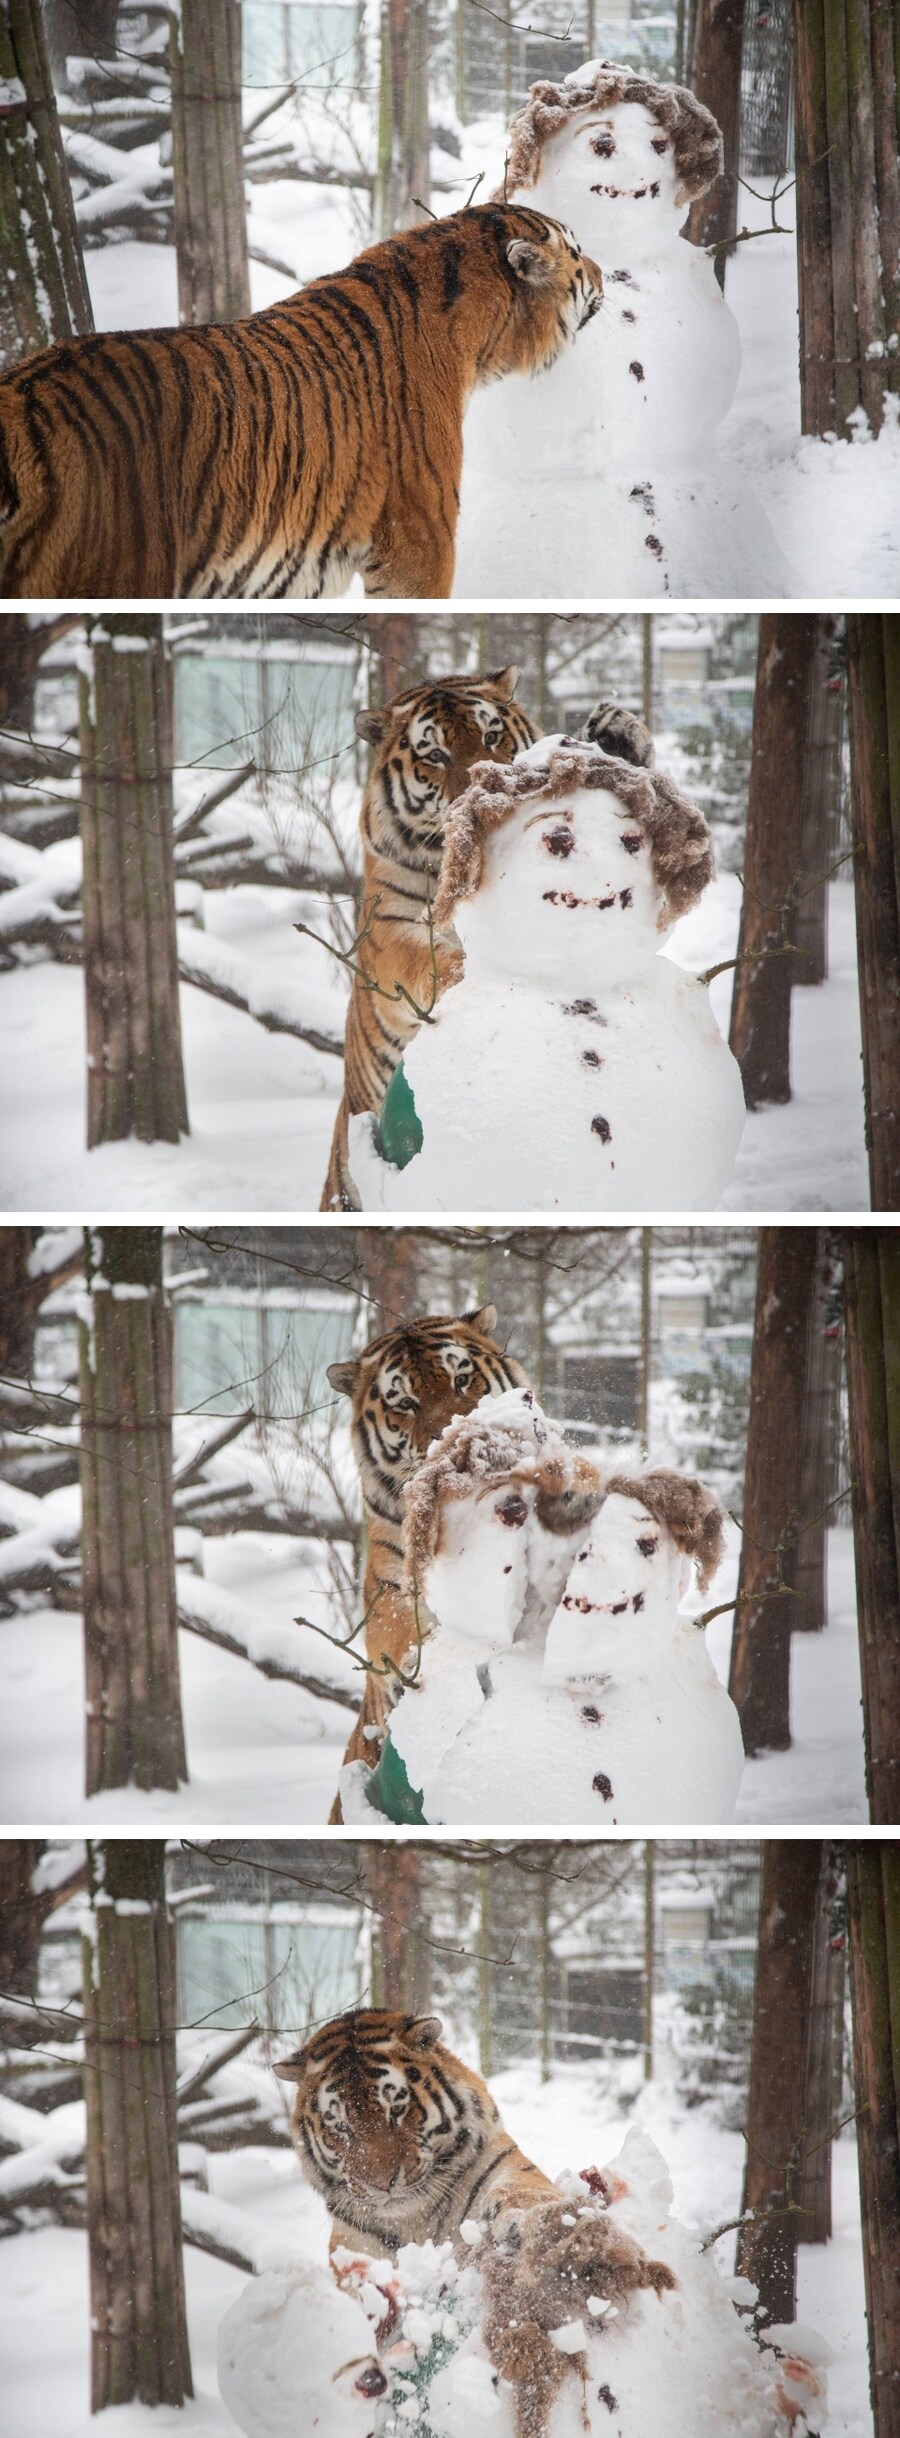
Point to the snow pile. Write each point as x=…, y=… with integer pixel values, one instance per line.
x=634, y=499
x=573, y=1066
x=558, y=1679
x=516, y=2334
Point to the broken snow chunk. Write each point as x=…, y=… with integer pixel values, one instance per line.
x=471, y=2232
x=570, y=2338
x=598, y=2305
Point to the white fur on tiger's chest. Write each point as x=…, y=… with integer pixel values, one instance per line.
x=602, y=477
x=574, y=1067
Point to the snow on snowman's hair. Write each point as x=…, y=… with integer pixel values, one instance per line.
x=684, y=1508
x=476, y=1449
x=697, y=137
x=681, y=850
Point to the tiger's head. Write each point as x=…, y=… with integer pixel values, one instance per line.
x=407, y=1386
x=384, y=2118
x=425, y=742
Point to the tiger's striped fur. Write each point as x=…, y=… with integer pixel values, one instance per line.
x=275, y=457
x=425, y=742
x=402, y=2141
x=405, y=1388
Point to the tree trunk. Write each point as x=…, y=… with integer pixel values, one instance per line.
x=848, y=209
x=821, y=1429
x=872, y=1307
x=825, y=2033
x=395, y=657
x=873, y=1906
x=21, y=1915
x=394, y=1880
x=139, y=2343
x=485, y=1975
x=23, y=1289
x=133, y=1693
x=759, y=1680
x=821, y=805
x=777, y=2135
x=43, y=293
x=208, y=162
x=389, y=1259
x=715, y=78
x=403, y=176
x=135, y=1073
x=760, y=1031
x=873, y=659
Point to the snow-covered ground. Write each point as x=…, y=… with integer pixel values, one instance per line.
x=572, y=2121
x=269, y=1753
x=262, y=1105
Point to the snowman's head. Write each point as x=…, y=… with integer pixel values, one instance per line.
x=620, y=1602
x=497, y=1481
x=594, y=859
x=295, y=2352
x=615, y=154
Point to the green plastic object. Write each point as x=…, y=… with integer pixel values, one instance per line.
x=400, y=1133
x=389, y=1791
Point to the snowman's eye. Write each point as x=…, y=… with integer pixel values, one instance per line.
x=659, y=143
x=648, y=1547
x=632, y=842
x=604, y=146
x=512, y=1511
x=371, y=2382
x=558, y=841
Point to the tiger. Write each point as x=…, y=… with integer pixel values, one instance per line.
x=276, y=457
x=406, y=2145
x=404, y=1389
x=403, y=2142
x=425, y=744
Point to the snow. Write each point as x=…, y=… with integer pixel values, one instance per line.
x=44, y=2334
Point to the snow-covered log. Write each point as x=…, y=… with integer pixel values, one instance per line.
x=214, y=966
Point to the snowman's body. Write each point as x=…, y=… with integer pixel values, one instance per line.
x=574, y=1066
x=613, y=1716
x=296, y=2354
x=602, y=478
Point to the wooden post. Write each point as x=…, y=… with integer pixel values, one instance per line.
x=824, y=2033
x=872, y=1308
x=873, y=1904
x=873, y=662
x=545, y=1961
x=760, y=1030
x=715, y=78
x=132, y=1685
x=139, y=2342
x=649, y=1952
x=759, y=1680
x=848, y=209
x=43, y=291
x=208, y=162
x=821, y=800
x=135, y=1073
x=821, y=1427
x=485, y=2024
x=776, y=2129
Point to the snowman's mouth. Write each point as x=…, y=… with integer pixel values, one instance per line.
x=567, y=897
x=632, y=194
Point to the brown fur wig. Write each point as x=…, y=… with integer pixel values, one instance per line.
x=696, y=136
x=538, y=2271
x=474, y=1449
x=684, y=1508
x=680, y=844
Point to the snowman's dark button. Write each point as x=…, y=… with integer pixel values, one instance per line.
x=605, y=2396
x=637, y=369
x=590, y=1712
x=591, y=1058
x=601, y=1126
x=627, y=315
x=652, y=542
x=602, y=1786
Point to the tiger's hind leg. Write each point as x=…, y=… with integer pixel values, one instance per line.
x=410, y=562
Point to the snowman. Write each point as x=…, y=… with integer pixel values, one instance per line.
x=573, y=1067
x=294, y=2338
x=557, y=1678
x=602, y=480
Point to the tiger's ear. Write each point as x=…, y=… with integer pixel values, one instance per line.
x=371, y=725
x=485, y=1318
x=530, y=263
x=343, y=1377
x=505, y=680
x=291, y=2069
x=422, y=2031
